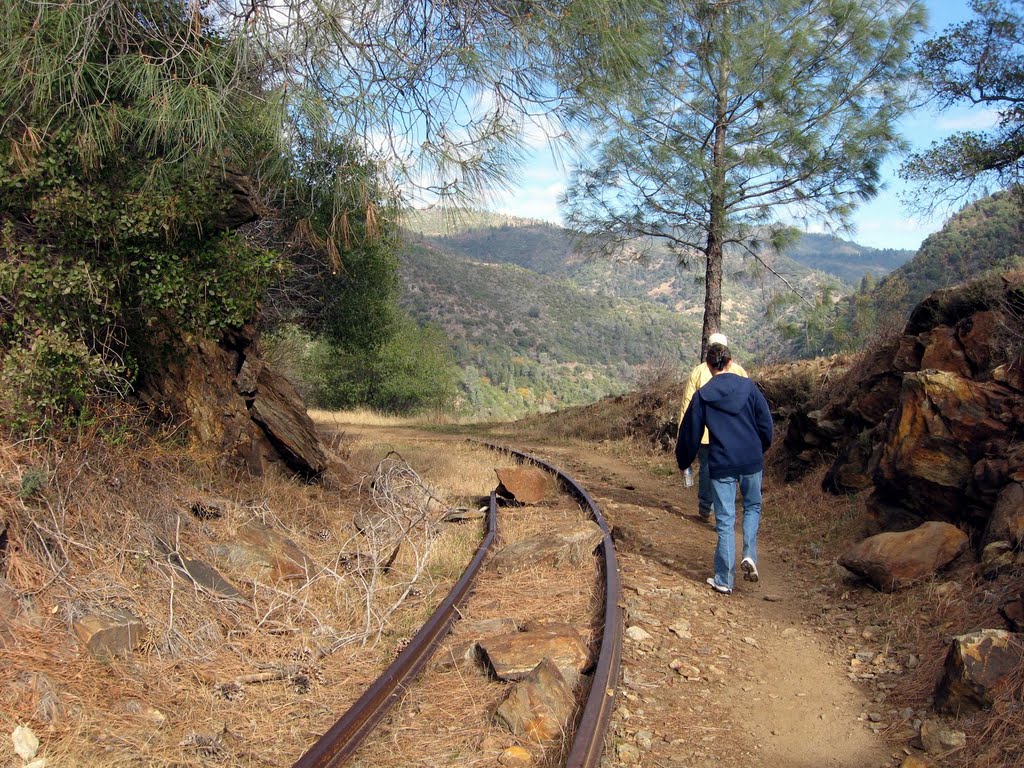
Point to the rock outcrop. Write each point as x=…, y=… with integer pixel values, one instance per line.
x=931, y=421
x=238, y=407
x=231, y=402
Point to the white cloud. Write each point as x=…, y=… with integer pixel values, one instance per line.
x=974, y=120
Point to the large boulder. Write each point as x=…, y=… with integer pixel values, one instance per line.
x=894, y=560
x=942, y=426
x=978, y=670
x=524, y=485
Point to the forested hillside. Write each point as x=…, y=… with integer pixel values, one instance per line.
x=986, y=235
x=537, y=322
x=528, y=342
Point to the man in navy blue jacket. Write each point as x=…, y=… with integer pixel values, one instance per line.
x=740, y=426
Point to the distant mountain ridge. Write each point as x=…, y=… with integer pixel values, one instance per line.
x=846, y=260
x=548, y=248
x=536, y=324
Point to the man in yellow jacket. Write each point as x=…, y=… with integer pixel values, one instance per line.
x=700, y=376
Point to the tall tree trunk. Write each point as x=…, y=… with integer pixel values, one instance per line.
x=716, y=224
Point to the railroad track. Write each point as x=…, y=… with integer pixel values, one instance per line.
x=338, y=744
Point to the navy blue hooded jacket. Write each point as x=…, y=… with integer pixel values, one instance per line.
x=737, y=417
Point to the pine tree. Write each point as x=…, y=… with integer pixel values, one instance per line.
x=979, y=62
x=761, y=112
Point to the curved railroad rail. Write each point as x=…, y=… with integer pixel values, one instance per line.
x=592, y=729
x=334, y=748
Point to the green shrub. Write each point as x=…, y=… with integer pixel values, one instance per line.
x=47, y=383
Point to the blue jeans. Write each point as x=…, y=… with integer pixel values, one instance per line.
x=705, y=501
x=724, y=492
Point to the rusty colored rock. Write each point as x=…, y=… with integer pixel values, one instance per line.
x=515, y=757
x=1007, y=517
x=1013, y=613
x=851, y=470
x=1012, y=375
x=569, y=545
x=279, y=409
x=978, y=669
x=996, y=558
x=892, y=561
x=975, y=334
x=539, y=706
x=236, y=405
x=941, y=423
x=512, y=656
x=113, y=633
x=943, y=352
x=937, y=738
x=260, y=547
x=526, y=485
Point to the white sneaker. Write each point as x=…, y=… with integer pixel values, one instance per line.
x=718, y=587
x=749, y=569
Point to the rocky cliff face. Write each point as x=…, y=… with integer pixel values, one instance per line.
x=932, y=422
x=228, y=398
x=234, y=404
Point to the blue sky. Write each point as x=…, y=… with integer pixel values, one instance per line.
x=884, y=222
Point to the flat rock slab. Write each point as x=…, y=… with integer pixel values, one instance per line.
x=279, y=409
x=513, y=656
x=207, y=577
x=257, y=546
x=526, y=485
x=572, y=544
x=466, y=653
x=892, y=560
x=539, y=706
x=112, y=633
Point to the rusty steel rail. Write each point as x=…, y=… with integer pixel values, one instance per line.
x=340, y=742
x=588, y=745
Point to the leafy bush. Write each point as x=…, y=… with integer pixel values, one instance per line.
x=103, y=268
x=111, y=206
x=45, y=383
x=412, y=370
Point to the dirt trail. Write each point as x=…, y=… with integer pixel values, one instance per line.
x=758, y=683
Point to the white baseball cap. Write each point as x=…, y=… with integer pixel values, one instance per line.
x=718, y=338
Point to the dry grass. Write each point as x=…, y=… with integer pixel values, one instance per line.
x=446, y=719
x=808, y=523
x=218, y=680
x=926, y=618
x=364, y=417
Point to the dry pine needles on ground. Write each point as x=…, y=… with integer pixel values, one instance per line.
x=92, y=527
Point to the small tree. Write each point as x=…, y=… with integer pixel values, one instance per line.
x=978, y=62
x=760, y=112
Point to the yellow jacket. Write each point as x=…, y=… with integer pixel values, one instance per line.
x=700, y=376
